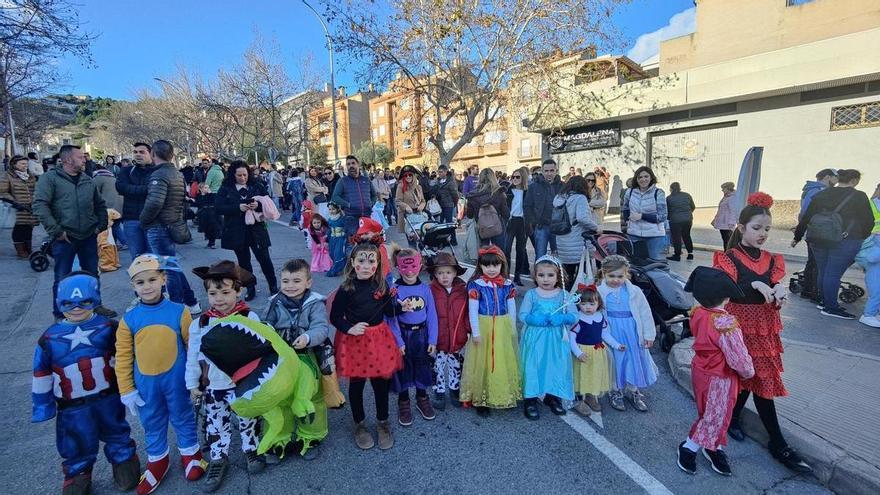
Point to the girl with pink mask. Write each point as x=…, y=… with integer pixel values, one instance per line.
x=418, y=336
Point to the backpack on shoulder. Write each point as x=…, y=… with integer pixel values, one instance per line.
x=560, y=223
x=488, y=222
x=826, y=227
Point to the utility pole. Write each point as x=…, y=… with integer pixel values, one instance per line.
x=332, y=81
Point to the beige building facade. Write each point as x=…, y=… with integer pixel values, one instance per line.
x=352, y=122
x=802, y=81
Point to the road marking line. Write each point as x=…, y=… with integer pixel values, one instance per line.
x=623, y=462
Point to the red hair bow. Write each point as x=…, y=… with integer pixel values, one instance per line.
x=491, y=249
x=585, y=287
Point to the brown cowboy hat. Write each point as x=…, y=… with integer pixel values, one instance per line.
x=225, y=269
x=445, y=259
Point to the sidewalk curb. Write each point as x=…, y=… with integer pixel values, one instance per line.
x=836, y=469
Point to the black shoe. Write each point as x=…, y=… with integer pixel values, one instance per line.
x=251, y=294
x=454, y=398
x=126, y=474
x=690, y=256
x=687, y=460
x=674, y=258
x=256, y=463
x=838, y=313
x=483, y=411
x=214, y=476
x=735, y=432
x=792, y=460
x=554, y=404
x=718, y=459
x=530, y=409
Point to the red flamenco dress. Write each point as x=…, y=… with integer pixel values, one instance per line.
x=759, y=321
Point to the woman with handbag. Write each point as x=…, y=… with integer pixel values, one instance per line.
x=17, y=185
x=487, y=204
x=317, y=192
x=410, y=198
x=570, y=247
x=516, y=227
x=235, y=198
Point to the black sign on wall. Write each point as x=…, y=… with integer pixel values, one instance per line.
x=585, y=138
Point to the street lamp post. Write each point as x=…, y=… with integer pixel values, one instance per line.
x=186, y=131
x=332, y=81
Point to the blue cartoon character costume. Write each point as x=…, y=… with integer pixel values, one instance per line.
x=337, y=243
x=150, y=368
x=74, y=383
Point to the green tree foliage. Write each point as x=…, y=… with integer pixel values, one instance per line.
x=368, y=152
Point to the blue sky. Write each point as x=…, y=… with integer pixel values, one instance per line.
x=137, y=44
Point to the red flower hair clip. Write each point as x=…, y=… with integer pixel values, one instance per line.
x=760, y=199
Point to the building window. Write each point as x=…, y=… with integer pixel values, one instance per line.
x=381, y=129
x=855, y=116
x=374, y=115
x=495, y=137
x=404, y=104
x=793, y=3
x=525, y=148
x=404, y=124
x=375, y=133
x=407, y=144
x=382, y=111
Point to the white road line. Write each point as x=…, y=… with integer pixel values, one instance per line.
x=623, y=462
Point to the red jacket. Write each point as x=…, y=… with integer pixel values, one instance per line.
x=718, y=345
x=452, y=315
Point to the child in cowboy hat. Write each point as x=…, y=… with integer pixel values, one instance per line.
x=223, y=282
x=451, y=303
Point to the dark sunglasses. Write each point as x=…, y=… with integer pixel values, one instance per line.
x=328, y=173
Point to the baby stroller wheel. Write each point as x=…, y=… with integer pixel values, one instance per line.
x=39, y=261
x=795, y=286
x=848, y=296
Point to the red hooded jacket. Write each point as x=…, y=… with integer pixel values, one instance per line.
x=452, y=315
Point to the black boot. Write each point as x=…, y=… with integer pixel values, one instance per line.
x=530, y=409
x=555, y=404
x=250, y=294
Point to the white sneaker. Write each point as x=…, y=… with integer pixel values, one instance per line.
x=871, y=321
x=195, y=309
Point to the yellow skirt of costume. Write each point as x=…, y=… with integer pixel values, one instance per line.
x=491, y=376
x=594, y=376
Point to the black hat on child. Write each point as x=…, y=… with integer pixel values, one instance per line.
x=711, y=284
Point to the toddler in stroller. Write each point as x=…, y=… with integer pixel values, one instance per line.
x=663, y=288
x=427, y=236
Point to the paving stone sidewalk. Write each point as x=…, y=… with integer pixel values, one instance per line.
x=829, y=415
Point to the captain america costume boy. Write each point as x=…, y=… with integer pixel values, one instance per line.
x=74, y=382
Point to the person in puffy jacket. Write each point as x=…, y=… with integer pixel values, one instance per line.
x=132, y=183
x=451, y=303
x=570, y=246
x=489, y=192
x=538, y=207
x=644, y=212
x=680, y=206
x=163, y=207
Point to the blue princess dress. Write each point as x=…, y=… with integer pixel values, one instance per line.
x=634, y=366
x=545, y=352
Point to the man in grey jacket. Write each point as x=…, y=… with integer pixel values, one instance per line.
x=538, y=207
x=73, y=212
x=163, y=207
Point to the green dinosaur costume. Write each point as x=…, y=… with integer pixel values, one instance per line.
x=271, y=380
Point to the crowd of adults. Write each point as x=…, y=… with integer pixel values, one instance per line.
x=70, y=194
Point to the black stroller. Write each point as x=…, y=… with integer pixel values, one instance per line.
x=430, y=237
x=663, y=288
x=39, y=259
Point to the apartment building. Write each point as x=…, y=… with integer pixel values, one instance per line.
x=799, y=78
x=352, y=122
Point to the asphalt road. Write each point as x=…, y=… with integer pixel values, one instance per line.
x=631, y=452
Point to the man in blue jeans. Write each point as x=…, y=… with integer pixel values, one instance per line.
x=132, y=184
x=538, y=207
x=163, y=208
x=72, y=211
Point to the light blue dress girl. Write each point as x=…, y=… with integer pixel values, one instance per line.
x=545, y=352
x=634, y=366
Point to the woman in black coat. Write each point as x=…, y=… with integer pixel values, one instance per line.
x=235, y=197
